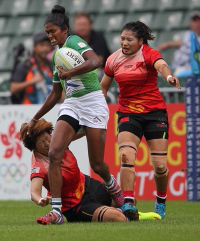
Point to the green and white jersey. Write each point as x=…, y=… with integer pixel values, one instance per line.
x=80, y=85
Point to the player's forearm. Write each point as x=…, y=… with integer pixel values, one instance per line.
x=20, y=86
x=165, y=71
x=174, y=43
x=50, y=102
x=16, y=87
x=170, y=44
x=104, y=91
x=35, y=197
x=105, y=84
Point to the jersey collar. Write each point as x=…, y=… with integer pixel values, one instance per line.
x=66, y=40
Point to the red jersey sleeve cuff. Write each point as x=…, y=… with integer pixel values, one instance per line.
x=109, y=75
x=36, y=175
x=156, y=60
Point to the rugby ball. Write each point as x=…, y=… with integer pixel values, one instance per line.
x=68, y=58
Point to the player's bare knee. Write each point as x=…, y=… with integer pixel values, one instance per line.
x=128, y=154
x=116, y=216
x=124, y=158
x=159, y=162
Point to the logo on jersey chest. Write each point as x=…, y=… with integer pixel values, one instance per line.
x=139, y=64
x=128, y=66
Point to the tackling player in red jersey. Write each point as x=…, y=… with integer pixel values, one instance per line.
x=141, y=108
x=83, y=198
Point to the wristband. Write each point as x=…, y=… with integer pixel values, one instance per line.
x=34, y=119
x=169, y=76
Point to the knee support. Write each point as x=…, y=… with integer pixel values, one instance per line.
x=159, y=162
x=108, y=214
x=128, y=154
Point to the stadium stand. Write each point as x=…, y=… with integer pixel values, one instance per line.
x=74, y=6
x=4, y=42
x=38, y=7
x=14, y=7
x=113, y=40
x=169, y=19
x=39, y=25
x=101, y=6
x=20, y=25
x=109, y=22
x=129, y=6
x=160, y=5
x=2, y=25
x=186, y=21
x=143, y=17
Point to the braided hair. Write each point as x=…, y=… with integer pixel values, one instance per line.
x=58, y=17
x=142, y=31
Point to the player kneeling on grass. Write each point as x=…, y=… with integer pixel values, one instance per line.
x=83, y=198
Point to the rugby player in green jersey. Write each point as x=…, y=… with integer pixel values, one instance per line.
x=84, y=107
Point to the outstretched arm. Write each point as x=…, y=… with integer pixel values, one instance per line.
x=36, y=192
x=162, y=67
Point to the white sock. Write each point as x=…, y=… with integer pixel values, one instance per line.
x=110, y=182
x=57, y=205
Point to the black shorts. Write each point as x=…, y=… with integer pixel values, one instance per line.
x=153, y=125
x=71, y=121
x=95, y=196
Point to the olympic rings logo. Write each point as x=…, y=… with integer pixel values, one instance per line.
x=13, y=172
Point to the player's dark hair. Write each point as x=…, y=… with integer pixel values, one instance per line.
x=142, y=31
x=41, y=127
x=58, y=17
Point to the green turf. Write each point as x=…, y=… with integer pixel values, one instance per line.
x=17, y=222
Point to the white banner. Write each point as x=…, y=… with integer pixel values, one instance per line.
x=15, y=159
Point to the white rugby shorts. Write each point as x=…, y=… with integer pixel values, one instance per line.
x=90, y=110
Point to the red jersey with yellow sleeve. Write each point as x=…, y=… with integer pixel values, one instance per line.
x=73, y=186
x=137, y=79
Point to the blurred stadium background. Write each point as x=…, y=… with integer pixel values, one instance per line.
x=169, y=19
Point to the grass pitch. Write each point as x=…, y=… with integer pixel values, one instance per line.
x=17, y=222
